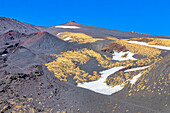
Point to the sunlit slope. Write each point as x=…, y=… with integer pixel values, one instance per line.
x=77, y=37
x=98, y=32
x=74, y=68
x=152, y=41
x=151, y=87
x=66, y=63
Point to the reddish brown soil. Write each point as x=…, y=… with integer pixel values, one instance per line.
x=39, y=34
x=71, y=23
x=114, y=46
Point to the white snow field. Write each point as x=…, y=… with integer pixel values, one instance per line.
x=118, y=56
x=68, y=27
x=100, y=86
x=145, y=44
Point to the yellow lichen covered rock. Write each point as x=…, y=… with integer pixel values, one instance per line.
x=78, y=37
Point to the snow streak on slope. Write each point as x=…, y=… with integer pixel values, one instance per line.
x=135, y=78
x=67, y=39
x=145, y=44
x=135, y=69
x=59, y=33
x=118, y=56
x=68, y=27
x=100, y=86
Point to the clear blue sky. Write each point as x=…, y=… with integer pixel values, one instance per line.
x=145, y=16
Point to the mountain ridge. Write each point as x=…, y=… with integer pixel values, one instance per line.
x=42, y=28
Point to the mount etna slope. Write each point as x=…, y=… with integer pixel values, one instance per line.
x=75, y=68
x=96, y=31
x=7, y=24
x=47, y=43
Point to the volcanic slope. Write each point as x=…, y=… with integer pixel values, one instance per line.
x=20, y=60
x=50, y=69
x=46, y=43
x=12, y=37
x=7, y=24
x=95, y=32
x=152, y=89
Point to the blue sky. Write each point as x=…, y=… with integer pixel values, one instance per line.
x=145, y=16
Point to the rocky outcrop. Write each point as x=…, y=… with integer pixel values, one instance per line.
x=114, y=46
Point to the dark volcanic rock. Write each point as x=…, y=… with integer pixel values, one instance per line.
x=47, y=43
x=21, y=59
x=7, y=24
x=12, y=37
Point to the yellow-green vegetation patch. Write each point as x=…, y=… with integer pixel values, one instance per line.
x=158, y=87
x=106, y=57
x=78, y=37
x=121, y=77
x=150, y=55
x=140, y=49
x=65, y=66
x=162, y=42
x=112, y=38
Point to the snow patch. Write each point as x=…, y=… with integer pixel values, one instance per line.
x=4, y=55
x=67, y=39
x=135, y=78
x=99, y=86
x=145, y=44
x=59, y=33
x=68, y=27
x=118, y=56
x=135, y=69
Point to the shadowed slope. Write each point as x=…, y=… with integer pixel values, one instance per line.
x=12, y=37
x=21, y=59
x=47, y=43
